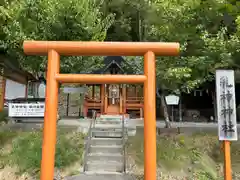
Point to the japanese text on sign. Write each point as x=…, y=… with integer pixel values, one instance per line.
x=26, y=110
x=226, y=106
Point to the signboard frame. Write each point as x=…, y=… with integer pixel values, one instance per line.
x=226, y=105
x=172, y=99
x=29, y=110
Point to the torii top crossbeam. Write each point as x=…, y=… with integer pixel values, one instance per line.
x=79, y=48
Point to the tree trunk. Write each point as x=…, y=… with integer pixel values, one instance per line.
x=214, y=106
x=165, y=111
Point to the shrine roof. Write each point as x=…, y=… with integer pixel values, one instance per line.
x=113, y=61
x=11, y=64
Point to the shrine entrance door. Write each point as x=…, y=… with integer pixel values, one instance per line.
x=113, y=99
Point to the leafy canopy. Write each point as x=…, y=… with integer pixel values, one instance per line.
x=52, y=20
x=208, y=32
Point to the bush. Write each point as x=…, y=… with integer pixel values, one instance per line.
x=4, y=116
x=26, y=151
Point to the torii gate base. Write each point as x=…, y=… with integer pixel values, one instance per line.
x=55, y=49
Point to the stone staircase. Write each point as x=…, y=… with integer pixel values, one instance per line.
x=105, y=146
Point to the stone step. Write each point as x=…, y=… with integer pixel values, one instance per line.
x=106, y=141
x=110, y=126
x=107, y=121
x=105, y=157
x=104, y=174
x=114, y=126
x=106, y=127
x=110, y=123
x=108, y=166
x=110, y=119
x=111, y=116
x=107, y=134
x=106, y=149
x=102, y=128
x=113, y=129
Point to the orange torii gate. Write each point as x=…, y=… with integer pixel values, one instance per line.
x=56, y=48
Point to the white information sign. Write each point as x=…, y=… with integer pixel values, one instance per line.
x=26, y=109
x=71, y=90
x=226, y=105
x=172, y=100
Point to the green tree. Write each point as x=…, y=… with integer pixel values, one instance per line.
x=206, y=42
x=129, y=15
x=205, y=30
x=52, y=20
x=205, y=38
x=208, y=32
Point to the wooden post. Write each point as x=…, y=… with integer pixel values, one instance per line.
x=50, y=118
x=150, y=163
x=81, y=104
x=26, y=89
x=102, y=93
x=141, y=113
x=121, y=99
x=68, y=97
x=180, y=107
x=3, y=88
x=124, y=99
x=227, y=161
x=136, y=92
x=106, y=99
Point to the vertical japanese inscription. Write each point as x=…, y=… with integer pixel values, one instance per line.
x=226, y=105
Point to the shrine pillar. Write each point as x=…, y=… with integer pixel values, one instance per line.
x=102, y=93
x=141, y=112
x=121, y=100
x=124, y=94
x=105, y=98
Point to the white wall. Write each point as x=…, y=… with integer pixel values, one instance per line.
x=14, y=90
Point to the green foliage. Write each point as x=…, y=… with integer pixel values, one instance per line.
x=197, y=156
x=208, y=32
x=3, y=116
x=205, y=30
x=129, y=15
x=26, y=151
x=197, y=25
x=52, y=20
x=6, y=137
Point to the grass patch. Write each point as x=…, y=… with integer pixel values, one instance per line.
x=3, y=116
x=25, y=151
x=6, y=137
x=198, y=155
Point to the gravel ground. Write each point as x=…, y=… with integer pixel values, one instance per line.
x=74, y=124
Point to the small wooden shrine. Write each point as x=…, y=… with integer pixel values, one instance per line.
x=114, y=98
